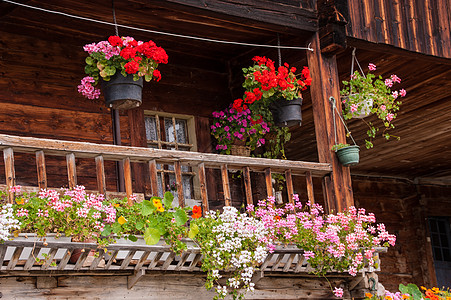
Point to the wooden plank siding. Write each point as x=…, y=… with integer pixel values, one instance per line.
x=417, y=25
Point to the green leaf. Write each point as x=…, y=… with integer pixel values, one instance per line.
x=148, y=77
x=147, y=208
x=110, y=70
x=180, y=217
x=139, y=225
x=167, y=200
x=132, y=238
x=106, y=231
x=89, y=60
x=152, y=236
x=117, y=228
x=193, y=230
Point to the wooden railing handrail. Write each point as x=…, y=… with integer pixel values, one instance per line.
x=138, y=154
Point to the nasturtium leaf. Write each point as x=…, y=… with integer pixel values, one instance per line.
x=148, y=77
x=167, y=200
x=180, y=217
x=151, y=236
x=106, y=231
x=117, y=228
x=132, y=238
x=193, y=230
x=89, y=60
x=110, y=71
x=147, y=208
x=139, y=225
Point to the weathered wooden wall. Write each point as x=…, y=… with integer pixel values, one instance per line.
x=160, y=286
x=416, y=25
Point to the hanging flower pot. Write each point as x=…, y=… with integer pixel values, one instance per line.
x=347, y=155
x=122, y=92
x=287, y=113
x=360, y=108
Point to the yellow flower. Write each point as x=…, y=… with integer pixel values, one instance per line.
x=20, y=201
x=116, y=205
x=122, y=220
x=156, y=202
x=160, y=208
x=423, y=288
x=435, y=290
x=368, y=295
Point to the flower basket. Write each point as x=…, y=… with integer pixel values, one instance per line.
x=348, y=156
x=363, y=107
x=122, y=92
x=287, y=113
x=238, y=150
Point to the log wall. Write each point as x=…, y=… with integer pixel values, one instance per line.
x=417, y=25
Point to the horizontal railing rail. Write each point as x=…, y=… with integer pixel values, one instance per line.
x=152, y=157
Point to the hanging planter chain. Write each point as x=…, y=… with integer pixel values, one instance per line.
x=334, y=109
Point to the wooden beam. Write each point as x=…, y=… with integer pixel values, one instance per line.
x=268, y=180
x=290, y=190
x=203, y=188
x=326, y=84
x=128, y=180
x=100, y=170
x=247, y=185
x=309, y=181
x=226, y=185
x=10, y=173
x=40, y=165
x=179, y=182
x=138, y=139
x=71, y=170
x=153, y=177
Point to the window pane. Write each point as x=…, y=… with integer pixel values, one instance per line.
x=169, y=128
x=435, y=240
x=438, y=254
x=151, y=128
x=187, y=186
x=444, y=240
x=180, y=128
x=446, y=254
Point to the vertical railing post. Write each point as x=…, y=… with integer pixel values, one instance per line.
x=310, y=192
x=41, y=169
x=247, y=185
x=10, y=173
x=71, y=170
x=290, y=190
x=128, y=180
x=268, y=180
x=153, y=177
x=203, y=188
x=100, y=170
x=178, y=180
x=226, y=185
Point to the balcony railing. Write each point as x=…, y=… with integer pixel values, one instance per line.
x=152, y=157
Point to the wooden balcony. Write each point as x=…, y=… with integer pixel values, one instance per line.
x=100, y=153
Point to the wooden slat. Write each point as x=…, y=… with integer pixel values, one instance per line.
x=2, y=254
x=81, y=259
x=32, y=258
x=277, y=263
x=128, y=180
x=182, y=261
x=10, y=174
x=71, y=170
x=155, y=260
x=268, y=181
x=168, y=261
x=41, y=169
x=15, y=258
x=301, y=261
x=97, y=260
x=267, y=261
x=247, y=185
x=100, y=171
x=127, y=259
x=226, y=185
x=310, y=193
x=142, y=260
x=203, y=188
x=290, y=190
x=112, y=259
x=193, y=264
x=65, y=259
x=179, y=183
x=153, y=177
x=48, y=260
x=287, y=266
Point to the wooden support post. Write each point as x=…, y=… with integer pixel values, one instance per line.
x=309, y=181
x=128, y=180
x=42, y=174
x=247, y=185
x=326, y=84
x=268, y=180
x=153, y=177
x=10, y=173
x=226, y=185
x=203, y=188
x=71, y=170
x=290, y=190
x=100, y=170
x=178, y=180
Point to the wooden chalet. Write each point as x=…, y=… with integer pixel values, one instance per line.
x=51, y=136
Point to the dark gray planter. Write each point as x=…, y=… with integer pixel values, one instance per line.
x=122, y=92
x=349, y=156
x=287, y=113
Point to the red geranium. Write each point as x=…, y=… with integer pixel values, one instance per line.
x=197, y=212
x=114, y=40
x=131, y=67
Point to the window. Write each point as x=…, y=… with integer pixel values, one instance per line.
x=172, y=132
x=439, y=228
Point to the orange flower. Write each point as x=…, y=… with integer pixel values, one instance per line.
x=197, y=212
x=20, y=201
x=368, y=295
x=405, y=296
x=430, y=294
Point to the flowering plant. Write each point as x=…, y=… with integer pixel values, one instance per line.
x=412, y=292
x=361, y=89
x=232, y=246
x=8, y=222
x=234, y=126
x=71, y=212
x=120, y=54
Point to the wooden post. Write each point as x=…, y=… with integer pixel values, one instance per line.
x=10, y=173
x=100, y=170
x=325, y=83
x=290, y=190
x=71, y=170
x=128, y=180
x=203, y=188
x=178, y=180
x=268, y=179
x=247, y=185
x=226, y=185
x=42, y=174
x=309, y=181
x=153, y=177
